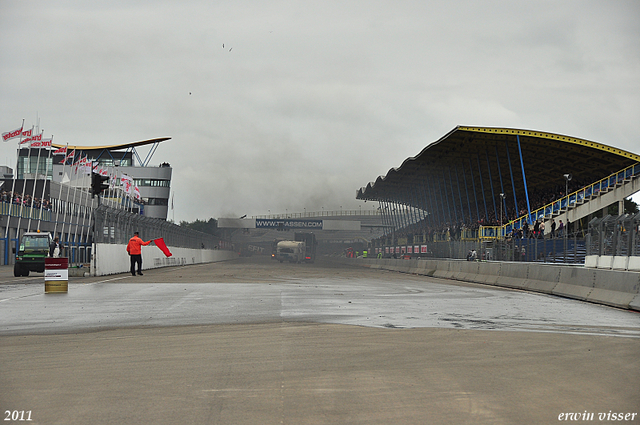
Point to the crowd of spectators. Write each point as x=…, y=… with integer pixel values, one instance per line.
x=25, y=200
x=537, y=199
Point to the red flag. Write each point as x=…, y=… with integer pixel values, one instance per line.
x=163, y=247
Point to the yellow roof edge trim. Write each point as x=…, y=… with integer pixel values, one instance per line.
x=121, y=146
x=552, y=136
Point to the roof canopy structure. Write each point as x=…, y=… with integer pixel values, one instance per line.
x=459, y=178
x=115, y=147
x=107, y=150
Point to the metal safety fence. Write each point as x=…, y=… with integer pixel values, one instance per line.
x=614, y=235
x=113, y=226
x=568, y=249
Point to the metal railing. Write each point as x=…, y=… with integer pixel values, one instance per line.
x=34, y=213
x=563, y=204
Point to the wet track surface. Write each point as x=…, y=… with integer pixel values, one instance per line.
x=260, y=291
x=253, y=341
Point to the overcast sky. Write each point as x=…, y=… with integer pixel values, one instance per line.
x=310, y=100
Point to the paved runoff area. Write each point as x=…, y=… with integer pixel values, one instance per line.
x=254, y=341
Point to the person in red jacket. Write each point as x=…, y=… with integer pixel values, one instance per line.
x=134, y=248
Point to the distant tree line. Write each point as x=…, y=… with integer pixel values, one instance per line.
x=210, y=226
x=630, y=207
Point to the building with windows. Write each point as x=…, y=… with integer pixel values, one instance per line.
x=153, y=181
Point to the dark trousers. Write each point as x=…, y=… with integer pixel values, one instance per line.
x=136, y=259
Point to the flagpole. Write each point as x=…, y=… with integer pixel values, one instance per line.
x=84, y=171
x=75, y=192
x=59, y=206
x=44, y=183
x=113, y=178
x=13, y=185
x=84, y=213
x=66, y=202
x=35, y=180
x=24, y=182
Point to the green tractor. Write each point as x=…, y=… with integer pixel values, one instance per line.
x=34, y=248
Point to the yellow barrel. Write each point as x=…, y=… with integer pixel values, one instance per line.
x=56, y=275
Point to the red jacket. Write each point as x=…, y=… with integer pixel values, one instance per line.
x=134, y=247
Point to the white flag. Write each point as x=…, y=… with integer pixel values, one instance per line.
x=11, y=134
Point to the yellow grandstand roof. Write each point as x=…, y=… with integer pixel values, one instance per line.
x=489, y=160
x=115, y=147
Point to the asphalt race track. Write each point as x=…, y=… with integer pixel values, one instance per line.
x=254, y=341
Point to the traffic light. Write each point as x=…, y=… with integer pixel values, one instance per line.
x=98, y=183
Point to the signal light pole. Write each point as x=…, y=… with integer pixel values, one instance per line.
x=98, y=184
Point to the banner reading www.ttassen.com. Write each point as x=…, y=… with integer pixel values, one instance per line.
x=288, y=224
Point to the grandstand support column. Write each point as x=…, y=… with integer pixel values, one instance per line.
x=473, y=183
x=513, y=185
x=459, y=193
x=621, y=206
x=466, y=189
x=524, y=178
x=446, y=192
x=493, y=195
x=427, y=203
x=484, y=197
x=503, y=202
x=442, y=200
x=414, y=202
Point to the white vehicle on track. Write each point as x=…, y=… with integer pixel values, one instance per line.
x=291, y=251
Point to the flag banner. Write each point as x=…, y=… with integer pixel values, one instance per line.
x=62, y=150
x=136, y=192
x=46, y=143
x=11, y=134
x=68, y=157
x=163, y=247
x=127, y=184
x=32, y=139
x=27, y=133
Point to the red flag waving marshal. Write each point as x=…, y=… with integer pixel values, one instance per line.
x=163, y=246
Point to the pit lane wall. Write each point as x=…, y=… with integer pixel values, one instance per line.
x=616, y=288
x=113, y=258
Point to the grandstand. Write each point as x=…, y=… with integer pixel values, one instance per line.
x=491, y=184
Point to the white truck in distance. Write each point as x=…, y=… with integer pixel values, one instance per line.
x=291, y=251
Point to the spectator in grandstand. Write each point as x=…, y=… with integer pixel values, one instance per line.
x=560, y=229
x=553, y=228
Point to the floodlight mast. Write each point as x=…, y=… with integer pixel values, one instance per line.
x=567, y=177
x=501, y=205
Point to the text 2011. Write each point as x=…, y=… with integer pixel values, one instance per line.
x=17, y=415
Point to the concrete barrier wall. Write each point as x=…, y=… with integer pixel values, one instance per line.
x=613, y=262
x=603, y=286
x=113, y=258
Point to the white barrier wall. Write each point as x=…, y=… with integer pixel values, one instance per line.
x=615, y=288
x=113, y=258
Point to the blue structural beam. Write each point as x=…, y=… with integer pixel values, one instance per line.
x=524, y=178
